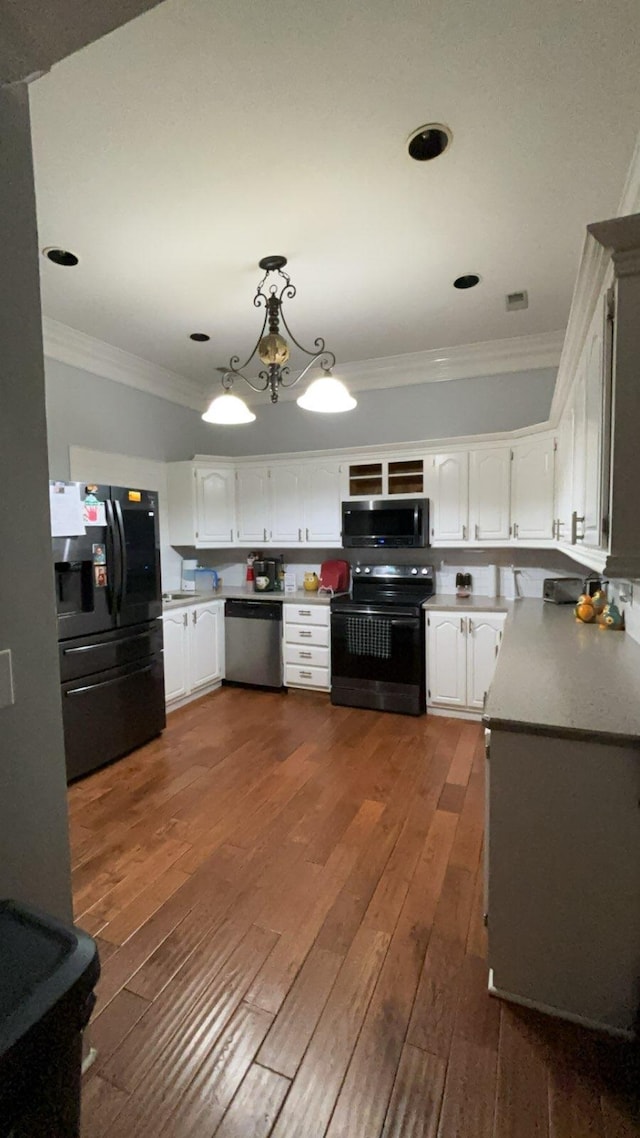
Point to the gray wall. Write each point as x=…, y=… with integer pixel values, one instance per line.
x=85, y=410
x=34, y=853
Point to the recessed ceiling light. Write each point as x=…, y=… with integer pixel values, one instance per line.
x=429, y=141
x=60, y=256
x=199, y=337
x=469, y=280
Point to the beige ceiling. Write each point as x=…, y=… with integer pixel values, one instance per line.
x=177, y=151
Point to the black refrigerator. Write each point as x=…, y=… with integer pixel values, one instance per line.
x=109, y=604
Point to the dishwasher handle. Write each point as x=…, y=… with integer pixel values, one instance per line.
x=253, y=610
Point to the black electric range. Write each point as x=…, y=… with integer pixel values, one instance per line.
x=377, y=639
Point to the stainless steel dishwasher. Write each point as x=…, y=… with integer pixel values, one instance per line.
x=253, y=642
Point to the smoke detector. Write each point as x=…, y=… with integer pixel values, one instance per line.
x=517, y=300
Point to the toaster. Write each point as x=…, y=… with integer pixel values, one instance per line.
x=562, y=590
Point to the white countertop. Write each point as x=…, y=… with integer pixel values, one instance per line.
x=475, y=603
x=555, y=675
x=241, y=592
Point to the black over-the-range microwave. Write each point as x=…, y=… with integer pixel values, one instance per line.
x=387, y=523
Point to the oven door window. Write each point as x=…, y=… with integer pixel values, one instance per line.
x=376, y=647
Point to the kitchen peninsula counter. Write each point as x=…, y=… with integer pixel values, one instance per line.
x=557, y=676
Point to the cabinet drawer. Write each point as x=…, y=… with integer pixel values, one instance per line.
x=304, y=634
x=307, y=614
x=306, y=657
x=300, y=677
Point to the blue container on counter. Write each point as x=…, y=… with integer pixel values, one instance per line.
x=206, y=580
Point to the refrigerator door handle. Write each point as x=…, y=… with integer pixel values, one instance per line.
x=107, y=683
x=114, y=584
x=93, y=647
x=123, y=552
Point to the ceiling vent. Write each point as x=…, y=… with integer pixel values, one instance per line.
x=516, y=300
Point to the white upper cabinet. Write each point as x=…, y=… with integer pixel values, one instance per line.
x=252, y=504
x=450, y=496
x=323, y=503
x=594, y=415
x=489, y=493
x=564, y=473
x=201, y=504
x=532, y=489
x=287, y=504
x=215, y=506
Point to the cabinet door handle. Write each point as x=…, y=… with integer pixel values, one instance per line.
x=264, y=534
x=307, y=532
x=304, y=612
x=231, y=533
x=195, y=617
x=299, y=535
x=307, y=675
x=304, y=655
x=477, y=531
x=515, y=529
x=470, y=625
x=461, y=624
x=185, y=619
x=303, y=632
x=464, y=533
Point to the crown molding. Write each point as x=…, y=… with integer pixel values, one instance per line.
x=592, y=270
x=439, y=365
x=630, y=200
x=69, y=346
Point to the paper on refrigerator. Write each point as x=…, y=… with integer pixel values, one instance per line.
x=65, y=506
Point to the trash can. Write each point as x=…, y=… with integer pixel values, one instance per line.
x=48, y=971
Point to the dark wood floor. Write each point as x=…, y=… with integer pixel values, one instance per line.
x=288, y=902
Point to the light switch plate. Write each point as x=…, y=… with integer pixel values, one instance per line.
x=6, y=679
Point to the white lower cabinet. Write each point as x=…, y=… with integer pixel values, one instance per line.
x=193, y=650
x=175, y=633
x=462, y=649
x=306, y=646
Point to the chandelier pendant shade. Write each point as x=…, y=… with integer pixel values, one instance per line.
x=272, y=349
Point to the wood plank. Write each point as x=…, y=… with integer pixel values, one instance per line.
x=574, y=1086
x=522, y=1088
x=149, y=900
x=255, y=1106
x=317, y=1083
x=110, y=1028
x=462, y=761
x=210, y=979
x=417, y=1094
x=101, y=1104
x=295, y=1023
x=452, y=797
x=366, y=1090
x=470, y=1089
x=280, y=970
x=204, y=1101
x=164, y=1082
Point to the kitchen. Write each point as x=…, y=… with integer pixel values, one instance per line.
x=508, y=447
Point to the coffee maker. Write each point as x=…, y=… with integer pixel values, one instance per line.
x=266, y=575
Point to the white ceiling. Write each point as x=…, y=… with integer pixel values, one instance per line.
x=177, y=151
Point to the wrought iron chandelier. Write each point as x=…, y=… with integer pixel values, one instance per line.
x=326, y=394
